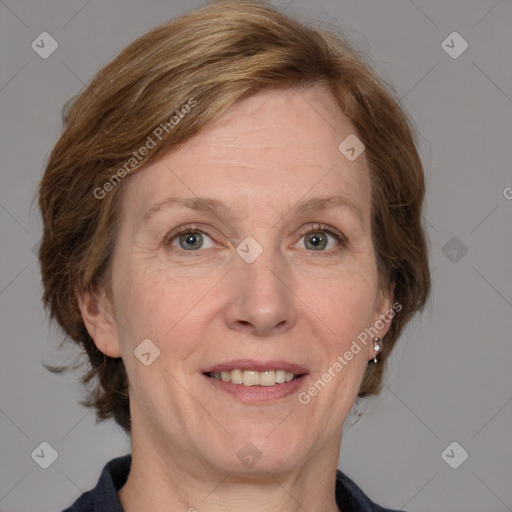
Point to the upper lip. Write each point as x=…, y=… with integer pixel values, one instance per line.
x=260, y=366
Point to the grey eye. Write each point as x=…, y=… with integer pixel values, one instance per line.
x=315, y=241
x=192, y=240
x=318, y=241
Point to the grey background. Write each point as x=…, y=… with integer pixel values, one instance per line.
x=449, y=379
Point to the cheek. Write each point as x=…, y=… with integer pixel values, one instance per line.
x=153, y=304
x=344, y=303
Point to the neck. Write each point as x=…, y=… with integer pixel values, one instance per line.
x=162, y=480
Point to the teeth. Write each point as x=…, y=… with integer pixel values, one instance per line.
x=237, y=376
x=267, y=378
x=254, y=378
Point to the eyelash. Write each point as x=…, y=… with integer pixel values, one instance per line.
x=315, y=228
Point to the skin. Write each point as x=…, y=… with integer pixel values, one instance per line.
x=207, y=306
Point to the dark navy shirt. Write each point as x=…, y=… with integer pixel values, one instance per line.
x=104, y=498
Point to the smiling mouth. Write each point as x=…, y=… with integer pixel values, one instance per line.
x=254, y=378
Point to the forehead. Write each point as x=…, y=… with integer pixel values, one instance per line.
x=274, y=148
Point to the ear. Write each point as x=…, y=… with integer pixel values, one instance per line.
x=384, y=312
x=99, y=320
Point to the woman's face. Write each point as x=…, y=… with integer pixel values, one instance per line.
x=245, y=288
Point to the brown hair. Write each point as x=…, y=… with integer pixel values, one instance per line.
x=185, y=62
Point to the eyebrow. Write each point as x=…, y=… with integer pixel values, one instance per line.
x=215, y=206
x=194, y=203
x=318, y=204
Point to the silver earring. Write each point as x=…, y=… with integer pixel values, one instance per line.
x=376, y=347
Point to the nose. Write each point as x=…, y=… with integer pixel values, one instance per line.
x=262, y=302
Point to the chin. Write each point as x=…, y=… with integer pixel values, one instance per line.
x=259, y=454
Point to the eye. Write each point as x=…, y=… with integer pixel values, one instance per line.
x=189, y=238
x=321, y=238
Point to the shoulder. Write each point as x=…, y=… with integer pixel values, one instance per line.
x=350, y=498
x=104, y=497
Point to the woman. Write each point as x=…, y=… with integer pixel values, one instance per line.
x=232, y=233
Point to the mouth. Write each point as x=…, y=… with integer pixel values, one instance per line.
x=251, y=381
x=254, y=378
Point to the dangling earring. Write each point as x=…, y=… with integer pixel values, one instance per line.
x=376, y=347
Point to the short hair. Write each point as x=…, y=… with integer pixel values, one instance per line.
x=208, y=60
